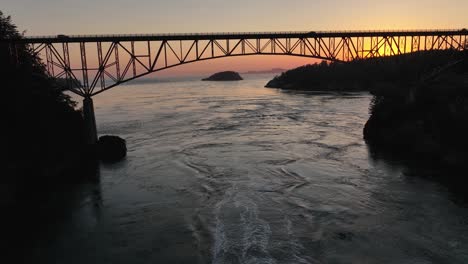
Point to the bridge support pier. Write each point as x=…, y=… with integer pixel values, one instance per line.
x=90, y=121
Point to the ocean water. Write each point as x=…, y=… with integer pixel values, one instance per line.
x=232, y=172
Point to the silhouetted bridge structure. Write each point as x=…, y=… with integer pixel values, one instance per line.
x=92, y=64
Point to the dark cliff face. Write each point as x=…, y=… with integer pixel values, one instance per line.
x=423, y=126
x=42, y=130
x=427, y=123
x=224, y=76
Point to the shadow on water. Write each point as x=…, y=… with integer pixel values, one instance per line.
x=412, y=166
x=325, y=93
x=31, y=223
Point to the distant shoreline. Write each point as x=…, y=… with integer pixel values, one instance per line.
x=386, y=73
x=187, y=78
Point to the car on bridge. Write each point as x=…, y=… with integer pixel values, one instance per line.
x=464, y=30
x=62, y=36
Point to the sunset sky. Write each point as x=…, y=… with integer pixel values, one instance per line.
x=52, y=17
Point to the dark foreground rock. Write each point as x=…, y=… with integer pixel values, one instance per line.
x=424, y=128
x=111, y=148
x=224, y=76
x=427, y=124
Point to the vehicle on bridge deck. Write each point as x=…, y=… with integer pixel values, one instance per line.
x=61, y=36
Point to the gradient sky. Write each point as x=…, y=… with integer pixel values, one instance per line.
x=51, y=17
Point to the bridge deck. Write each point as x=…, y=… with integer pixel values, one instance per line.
x=237, y=35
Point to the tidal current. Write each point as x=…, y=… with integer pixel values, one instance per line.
x=231, y=172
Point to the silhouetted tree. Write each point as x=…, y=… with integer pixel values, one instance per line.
x=42, y=131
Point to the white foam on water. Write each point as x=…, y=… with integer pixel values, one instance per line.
x=241, y=236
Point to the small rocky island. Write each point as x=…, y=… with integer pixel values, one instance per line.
x=224, y=76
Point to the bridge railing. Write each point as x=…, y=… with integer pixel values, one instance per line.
x=243, y=33
x=169, y=34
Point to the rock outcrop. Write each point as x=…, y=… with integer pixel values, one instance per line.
x=224, y=76
x=427, y=124
x=111, y=149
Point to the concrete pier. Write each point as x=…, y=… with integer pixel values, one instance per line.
x=90, y=121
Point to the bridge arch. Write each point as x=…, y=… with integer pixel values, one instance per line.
x=206, y=59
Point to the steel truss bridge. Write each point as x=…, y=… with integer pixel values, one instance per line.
x=92, y=64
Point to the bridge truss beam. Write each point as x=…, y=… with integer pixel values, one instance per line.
x=92, y=65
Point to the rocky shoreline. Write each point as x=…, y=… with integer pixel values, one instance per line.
x=387, y=74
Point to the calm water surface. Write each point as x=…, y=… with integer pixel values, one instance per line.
x=237, y=173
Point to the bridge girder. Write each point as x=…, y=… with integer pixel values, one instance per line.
x=96, y=64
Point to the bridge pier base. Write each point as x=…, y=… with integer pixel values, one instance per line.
x=90, y=121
